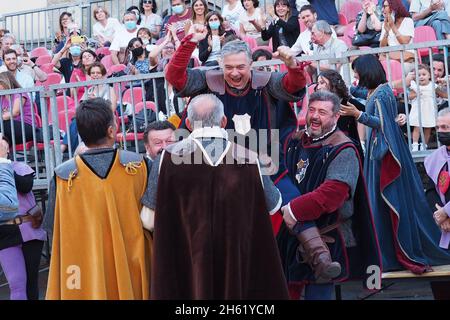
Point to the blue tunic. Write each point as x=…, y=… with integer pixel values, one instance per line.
x=408, y=235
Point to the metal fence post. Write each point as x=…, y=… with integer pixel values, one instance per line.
x=48, y=155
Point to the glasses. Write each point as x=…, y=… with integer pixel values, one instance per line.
x=444, y=127
x=147, y=2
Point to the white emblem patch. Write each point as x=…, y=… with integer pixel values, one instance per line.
x=242, y=123
x=302, y=165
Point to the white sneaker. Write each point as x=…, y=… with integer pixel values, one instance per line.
x=415, y=147
x=423, y=146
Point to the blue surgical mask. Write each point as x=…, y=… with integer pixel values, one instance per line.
x=178, y=9
x=214, y=25
x=75, y=51
x=130, y=25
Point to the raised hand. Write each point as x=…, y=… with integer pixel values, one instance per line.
x=198, y=31
x=401, y=119
x=286, y=55
x=349, y=110
x=439, y=215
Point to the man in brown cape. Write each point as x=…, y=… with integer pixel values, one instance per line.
x=212, y=234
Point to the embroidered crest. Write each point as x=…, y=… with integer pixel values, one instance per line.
x=443, y=181
x=242, y=123
x=302, y=165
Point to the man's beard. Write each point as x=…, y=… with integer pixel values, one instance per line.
x=12, y=70
x=325, y=130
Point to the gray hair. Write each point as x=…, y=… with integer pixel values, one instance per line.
x=10, y=36
x=235, y=47
x=324, y=95
x=213, y=115
x=443, y=112
x=131, y=12
x=17, y=48
x=323, y=26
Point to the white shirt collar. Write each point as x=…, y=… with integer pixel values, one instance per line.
x=210, y=132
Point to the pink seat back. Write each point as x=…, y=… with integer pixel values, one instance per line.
x=149, y=104
x=137, y=95
x=47, y=67
x=43, y=60
x=350, y=9
x=39, y=51
x=424, y=34
x=108, y=63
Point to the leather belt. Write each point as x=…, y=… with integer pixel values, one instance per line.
x=17, y=220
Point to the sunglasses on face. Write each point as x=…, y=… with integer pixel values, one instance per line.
x=147, y=2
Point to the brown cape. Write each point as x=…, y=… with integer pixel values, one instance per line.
x=213, y=236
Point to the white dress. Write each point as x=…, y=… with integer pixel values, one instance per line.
x=427, y=107
x=249, y=28
x=232, y=16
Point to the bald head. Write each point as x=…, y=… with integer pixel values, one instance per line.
x=205, y=110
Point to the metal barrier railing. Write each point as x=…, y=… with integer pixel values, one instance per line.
x=43, y=150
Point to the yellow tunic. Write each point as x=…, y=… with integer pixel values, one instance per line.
x=99, y=247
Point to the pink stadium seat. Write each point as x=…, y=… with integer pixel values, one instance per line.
x=149, y=105
x=349, y=33
x=350, y=9
x=396, y=69
x=60, y=103
x=423, y=34
x=250, y=41
x=62, y=119
x=103, y=50
x=52, y=78
x=108, y=63
x=137, y=95
x=342, y=19
x=39, y=51
x=129, y=136
x=37, y=118
x=396, y=72
x=43, y=60
x=117, y=68
x=47, y=67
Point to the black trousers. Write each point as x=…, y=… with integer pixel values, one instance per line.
x=17, y=131
x=32, y=251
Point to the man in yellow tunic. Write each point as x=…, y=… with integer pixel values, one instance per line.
x=100, y=250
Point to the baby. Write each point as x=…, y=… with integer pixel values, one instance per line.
x=424, y=115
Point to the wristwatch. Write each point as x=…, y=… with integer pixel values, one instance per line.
x=297, y=229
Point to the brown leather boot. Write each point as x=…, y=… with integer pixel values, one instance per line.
x=315, y=252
